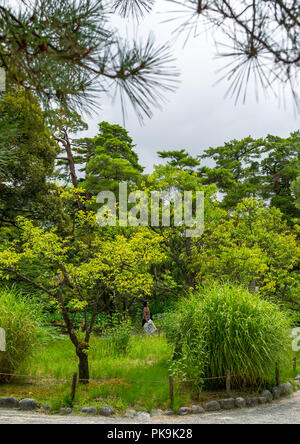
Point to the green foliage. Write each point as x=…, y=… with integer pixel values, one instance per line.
x=7, y=154
x=65, y=50
x=263, y=168
x=296, y=190
x=118, y=335
x=107, y=159
x=84, y=271
x=181, y=159
x=127, y=379
x=63, y=124
x=175, y=275
x=250, y=245
x=20, y=319
x=227, y=327
x=24, y=186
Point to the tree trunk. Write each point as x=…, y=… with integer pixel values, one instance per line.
x=72, y=168
x=84, y=373
x=276, y=183
x=71, y=164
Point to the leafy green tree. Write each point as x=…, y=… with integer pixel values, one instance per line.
x=263, y=168
x=83, y=271
x=296, y=190
x=29, y=153
x=249, y=244
x=63, y=125
x=6, y=155
x=107, y=159
x=176, y=274
x=179, y=158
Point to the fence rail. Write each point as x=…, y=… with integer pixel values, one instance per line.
x=73, y=379
x=36, y=377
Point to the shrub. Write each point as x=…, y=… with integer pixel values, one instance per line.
x=227, y=327
x=20, y=321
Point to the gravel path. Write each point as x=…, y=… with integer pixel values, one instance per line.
x=285, y=411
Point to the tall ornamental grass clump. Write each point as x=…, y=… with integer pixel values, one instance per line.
x=20, y=321
x=117, y=336
x=227, y=327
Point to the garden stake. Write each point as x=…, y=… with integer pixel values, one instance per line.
x=277, y=374
x=294, y=363
x=73, y=388
x=228, y=382
x=171, y=381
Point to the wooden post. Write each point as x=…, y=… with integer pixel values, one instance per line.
x=277, y=374
x=2, y=343
x=295, y=364
x=74, y=383
x=228, y=382
x=171, y=382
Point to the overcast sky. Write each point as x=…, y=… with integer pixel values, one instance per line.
x=197, y=116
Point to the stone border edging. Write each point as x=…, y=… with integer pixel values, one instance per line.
x=267, y=396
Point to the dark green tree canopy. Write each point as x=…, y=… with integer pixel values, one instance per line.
x=296, y=191
x=263, y=168
x=180, y=158
x=107, y=159
x=27, y=156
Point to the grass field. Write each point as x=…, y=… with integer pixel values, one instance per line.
x=138, y=379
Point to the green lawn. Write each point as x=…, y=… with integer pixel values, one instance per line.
x=137, y=379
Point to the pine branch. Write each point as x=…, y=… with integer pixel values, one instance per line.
x=135, y=8
x=66, y=52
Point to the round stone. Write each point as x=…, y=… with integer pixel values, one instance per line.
x=212, y=406
x=227, y=404
x=92, y=411
x=252, y=402
x=240, y=403
x=197, y=410
x=9, y=403
x=183, y=411
x=107, y=410
x=268, y=395
x=66, y=411
x=130, y=413
x=28, y=404
x=169, y=412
